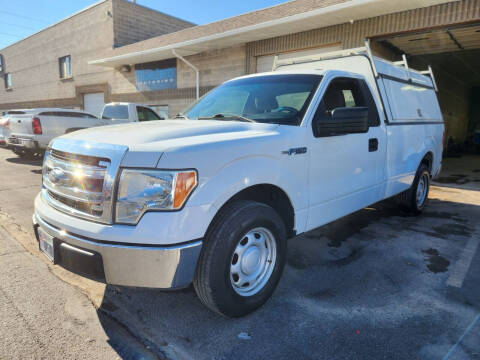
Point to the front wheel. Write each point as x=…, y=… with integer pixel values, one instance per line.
x=242, y=259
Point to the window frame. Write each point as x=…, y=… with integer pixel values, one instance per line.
x=7, y=78
x=62, y=62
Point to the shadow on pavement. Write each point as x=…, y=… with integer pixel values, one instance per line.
x=36, y=161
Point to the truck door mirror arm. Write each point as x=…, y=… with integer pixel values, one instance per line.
x=340, y=121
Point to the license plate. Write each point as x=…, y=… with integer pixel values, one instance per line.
x=46, y=244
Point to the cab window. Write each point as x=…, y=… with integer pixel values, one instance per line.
x=145, y=114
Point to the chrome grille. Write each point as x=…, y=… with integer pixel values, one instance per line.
x=75, y=184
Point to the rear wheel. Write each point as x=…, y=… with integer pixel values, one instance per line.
x=24, y=154
x=415, y=198
x=242, y=259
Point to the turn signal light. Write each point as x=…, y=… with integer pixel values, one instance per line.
x=36, y=126
x=186, y=182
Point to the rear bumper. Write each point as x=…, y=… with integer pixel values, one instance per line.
x=165, y=267
x=22, y=142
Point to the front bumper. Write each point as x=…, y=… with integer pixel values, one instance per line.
x=165, y=267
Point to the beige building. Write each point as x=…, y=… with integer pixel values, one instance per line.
x=118, y=51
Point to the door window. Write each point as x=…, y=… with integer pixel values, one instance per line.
x=343, y=92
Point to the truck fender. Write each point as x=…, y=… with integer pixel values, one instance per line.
x=237, y=175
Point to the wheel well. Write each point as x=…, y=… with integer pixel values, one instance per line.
x=270, y=195
x=428, y=160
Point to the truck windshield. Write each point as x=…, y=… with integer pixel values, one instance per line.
x=119, y=112
x=277, y=99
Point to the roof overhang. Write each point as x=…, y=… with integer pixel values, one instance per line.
x=352, y=10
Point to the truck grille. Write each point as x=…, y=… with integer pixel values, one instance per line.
x=75, y=183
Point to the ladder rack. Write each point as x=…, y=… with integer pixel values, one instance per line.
x=365, y=50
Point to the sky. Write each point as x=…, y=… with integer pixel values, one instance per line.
x=20, y=18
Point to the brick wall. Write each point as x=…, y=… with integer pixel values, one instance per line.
x=33, y=62
x=133, y=23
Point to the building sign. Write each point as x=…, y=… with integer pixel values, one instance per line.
x=158, y=75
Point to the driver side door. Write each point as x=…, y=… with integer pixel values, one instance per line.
x=346, y=168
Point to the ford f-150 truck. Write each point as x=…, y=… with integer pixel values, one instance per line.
x=212, y=197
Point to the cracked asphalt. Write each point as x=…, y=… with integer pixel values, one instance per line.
x=378, y=284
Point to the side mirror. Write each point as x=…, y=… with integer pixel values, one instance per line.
x=341, y=121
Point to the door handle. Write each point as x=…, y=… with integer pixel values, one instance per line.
x=372, y=145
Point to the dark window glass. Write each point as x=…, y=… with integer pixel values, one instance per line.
x=15, y=112
x=2, y=65
x=65, y=65
x=351, y=93
x=145, y=114
x=279, y=99
x=158, y=75
x=8, y=81
x=115, y=112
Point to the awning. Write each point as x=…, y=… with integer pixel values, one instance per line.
x=321, y=17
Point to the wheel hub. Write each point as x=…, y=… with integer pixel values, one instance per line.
x=253, y=261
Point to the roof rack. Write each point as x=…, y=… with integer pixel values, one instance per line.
x=429, y=72
x=365, y=50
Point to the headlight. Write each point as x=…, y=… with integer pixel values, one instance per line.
x=158, y=190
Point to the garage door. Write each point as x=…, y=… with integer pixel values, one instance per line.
x=265, y=63
x=93, y=103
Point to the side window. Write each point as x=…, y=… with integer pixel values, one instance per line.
x=373, y=117
x=351, y=93
x=65, y=67
x=344, y=109
x=150, y=115
x=140, y=113
x=343, y=93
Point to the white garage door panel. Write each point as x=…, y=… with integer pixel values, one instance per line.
x=265, y=63
x=93, y=103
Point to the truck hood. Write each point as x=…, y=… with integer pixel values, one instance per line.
x=159, y=136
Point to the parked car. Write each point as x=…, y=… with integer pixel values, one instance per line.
x=4, y=130
x=122, y=112
x=30, y=131
x=213, y=197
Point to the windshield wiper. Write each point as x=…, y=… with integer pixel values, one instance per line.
x=227, y=116
x=181, y=116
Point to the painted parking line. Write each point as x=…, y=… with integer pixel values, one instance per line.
x=460, y=269
x=470, y=327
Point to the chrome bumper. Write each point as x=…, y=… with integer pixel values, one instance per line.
x=22, y=142
x=165, y=267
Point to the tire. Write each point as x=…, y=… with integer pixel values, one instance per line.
x=246, y=236
x=24, y=154
x=415, y=199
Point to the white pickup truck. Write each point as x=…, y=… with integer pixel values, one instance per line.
x=212, y=198
x=30, y=131
x=122, y=112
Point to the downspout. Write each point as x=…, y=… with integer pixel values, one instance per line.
x=197, y=72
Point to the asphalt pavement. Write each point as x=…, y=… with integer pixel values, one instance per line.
x=378, y=284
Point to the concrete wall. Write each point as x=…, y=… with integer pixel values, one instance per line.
x=133, y=23
x=33, y=62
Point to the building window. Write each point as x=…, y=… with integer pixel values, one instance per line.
x=65, y=67
x=8, y=81
x=158, y=75
x=2, y=66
